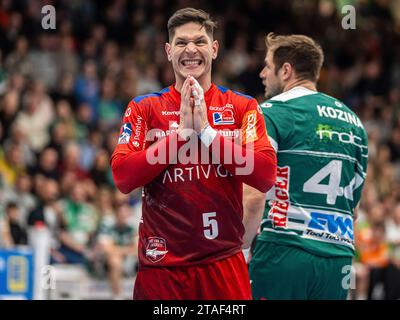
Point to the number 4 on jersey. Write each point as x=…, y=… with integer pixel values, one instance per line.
x=333, y=189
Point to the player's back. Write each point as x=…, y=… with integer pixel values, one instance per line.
x=322, y=158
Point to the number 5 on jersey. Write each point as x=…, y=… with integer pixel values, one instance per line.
x=210, y=225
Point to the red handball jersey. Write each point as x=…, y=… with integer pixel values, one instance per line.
x=192, y=210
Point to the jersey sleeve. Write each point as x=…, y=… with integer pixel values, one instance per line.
x=279, y=121
x=132, y=135
x=133, y=162
x=253, y=127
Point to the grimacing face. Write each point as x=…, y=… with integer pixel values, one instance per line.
x=271, y=77
x=191, y=51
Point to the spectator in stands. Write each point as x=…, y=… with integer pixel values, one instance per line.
x=8, y=112
x=58, y=137
x=117, y=242
x=17, y=61
x=90, y=146
x=65, y=90
x=105, y=205
x=16, y=228
x=372, y=252
x=80, y=224
x=70, y=162
x=49, y=212
x=5, y=236
x=11, y=164
x=87, y=87
x=22, y=194
x=393, y=239
x=19, y=137
x=66, y=116
x=101, y=173
x=47, y=165
x=36, y=117
x=109, y=108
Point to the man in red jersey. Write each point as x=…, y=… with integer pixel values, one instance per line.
x=180, y=145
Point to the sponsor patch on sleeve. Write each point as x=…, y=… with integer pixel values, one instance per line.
x=125, y=135
x=249, y=127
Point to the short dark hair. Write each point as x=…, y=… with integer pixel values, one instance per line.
x=11, y=205
x=187, y=15
x=302, y=52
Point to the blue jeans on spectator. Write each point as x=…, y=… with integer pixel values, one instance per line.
x=71, y=256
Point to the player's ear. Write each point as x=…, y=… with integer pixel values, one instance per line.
x=287, y=71
x=167, y=48
x=215, y=47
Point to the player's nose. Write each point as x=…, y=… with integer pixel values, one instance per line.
x=262, y=74
x=191, y=47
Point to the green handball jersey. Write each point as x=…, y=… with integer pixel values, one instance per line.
x=322, y=151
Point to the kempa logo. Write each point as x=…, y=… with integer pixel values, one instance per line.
x=170, y=113
x=325, y=132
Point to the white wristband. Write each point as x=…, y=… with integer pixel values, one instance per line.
x=207, y=135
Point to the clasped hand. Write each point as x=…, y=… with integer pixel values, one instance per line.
x=193, y=110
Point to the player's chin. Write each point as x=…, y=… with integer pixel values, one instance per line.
x=272, y=91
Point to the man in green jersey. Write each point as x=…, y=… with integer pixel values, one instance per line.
x=306, y=242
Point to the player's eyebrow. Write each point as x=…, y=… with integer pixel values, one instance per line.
x=188, y=38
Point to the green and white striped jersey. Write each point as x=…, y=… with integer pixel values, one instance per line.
x=322, y=151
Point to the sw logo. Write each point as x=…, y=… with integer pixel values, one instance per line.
x=332, y=223
x=156, y=249
x=126, y=132
x=224, y=117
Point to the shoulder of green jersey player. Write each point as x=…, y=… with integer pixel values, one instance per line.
x=277, y=111
x=279, y=120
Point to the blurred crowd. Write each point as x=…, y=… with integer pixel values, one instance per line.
x=63, y=93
